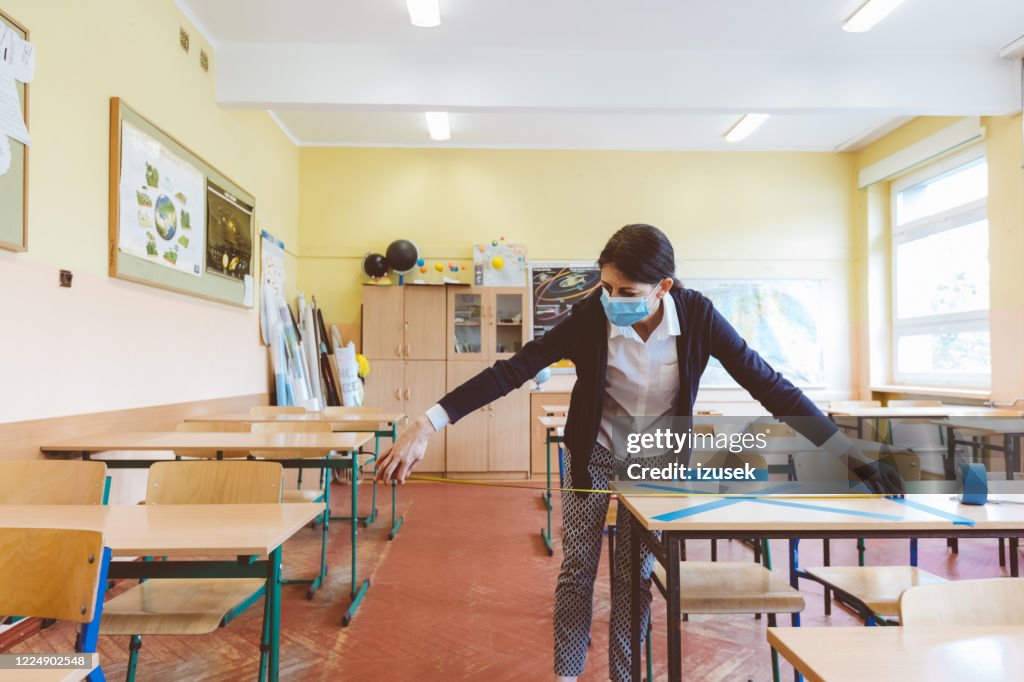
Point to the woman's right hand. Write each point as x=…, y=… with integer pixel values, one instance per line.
x=397, y=463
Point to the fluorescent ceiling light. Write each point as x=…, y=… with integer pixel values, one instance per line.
x=424, y=13
x=437, y=123
x=869, y=14
x=746, y=125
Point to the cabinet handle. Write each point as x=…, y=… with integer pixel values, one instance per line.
x=408, y=350
x=408, y=393
x=398, y=394
x=398, y=351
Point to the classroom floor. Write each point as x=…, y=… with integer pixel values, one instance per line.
x=465, y=593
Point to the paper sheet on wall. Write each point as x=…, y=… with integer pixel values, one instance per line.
x=5, y=154
x=272, y=276
x=12, y=122
x=17, y=56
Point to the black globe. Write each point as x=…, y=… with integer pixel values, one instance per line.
x=402, y=255
x=375, y=265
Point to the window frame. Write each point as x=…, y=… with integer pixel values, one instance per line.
x=973, y=320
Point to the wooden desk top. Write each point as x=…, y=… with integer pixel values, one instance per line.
x=203, y=443
x=992, y=426
x=753, y=515
x=357, y=421
x=915, y=654
x=555, y=409
x=552, y=422
x=921, y=412
x=178, y=529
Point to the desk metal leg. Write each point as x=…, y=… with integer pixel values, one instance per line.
x=545, y=533
x=321, y=576
x=794, y=579
x=275, y=613
x=358, y=591
x=1014, y=557
x=675, y=626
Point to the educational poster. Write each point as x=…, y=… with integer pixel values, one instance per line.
x=778, y=318
x=557, y=287
x=228, y=234
x=272, y=282
x=499, y=264
x=162, y=204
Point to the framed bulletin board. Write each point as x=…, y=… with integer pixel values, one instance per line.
x=14, y=183
x=176, y=222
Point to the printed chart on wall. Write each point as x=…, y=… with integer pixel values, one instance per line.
x=228, y=234
x=272, y=280
x=780, y=319
x=163, y=204
x=557, y=287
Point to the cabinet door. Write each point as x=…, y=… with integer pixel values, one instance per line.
x=385, y=384
x=424, y=386
x=508, y=446
x=467, y=440
x=424, y=322
x=383, y=322
x=507, y=319
x=467, y=332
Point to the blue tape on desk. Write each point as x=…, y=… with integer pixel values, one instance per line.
x=955, y=518
x=707, y=506
x=972, y=483
x=832, y=510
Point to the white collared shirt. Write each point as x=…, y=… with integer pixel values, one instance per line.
x=642, y=379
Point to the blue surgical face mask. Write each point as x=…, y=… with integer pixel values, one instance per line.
x=623, y=311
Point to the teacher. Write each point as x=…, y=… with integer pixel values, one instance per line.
x=640, y=346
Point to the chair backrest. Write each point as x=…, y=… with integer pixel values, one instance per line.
x=50, y=573
x=914, y=403
x=843, y=404
x=212, y=482
x=342, y=411
x=45, y=481
x=290, y=427
x=994, y=601
x=273, y=410
x=212, y=427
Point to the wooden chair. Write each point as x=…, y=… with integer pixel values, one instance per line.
x=298, y=495
x=914, y=403
x=993, y=602
x=193, y=606
x=874, y=591
x=211, y=427
x=264, y=411
x=58, y=574
x=343, y=411
x=45, y=481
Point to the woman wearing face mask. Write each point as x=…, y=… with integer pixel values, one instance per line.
x=639, y=348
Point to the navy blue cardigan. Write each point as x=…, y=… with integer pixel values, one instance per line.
x=583, y=338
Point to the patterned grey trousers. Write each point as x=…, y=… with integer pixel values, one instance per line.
x=583, y=518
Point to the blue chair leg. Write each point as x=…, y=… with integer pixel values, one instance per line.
x=88, y=633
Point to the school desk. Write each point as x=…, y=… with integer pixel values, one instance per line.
x=554, y=434
x=948, y=653
x=793, y=518
x=380, y=424
x=238, y=533
x=291, y=447
x=876, y=414
x=1010, y=429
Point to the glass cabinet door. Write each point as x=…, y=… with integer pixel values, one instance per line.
x=508, y=318
x=467, y=337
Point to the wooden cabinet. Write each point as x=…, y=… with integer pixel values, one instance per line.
x=486, y=323
x=403, y=322
x=410, y=387
x=494, y=438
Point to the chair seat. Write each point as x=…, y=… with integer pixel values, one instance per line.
x=176, y=607
x=710, y=587
x=303, y=495
x=879, y=587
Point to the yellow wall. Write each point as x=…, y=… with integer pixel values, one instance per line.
x=1005, y=152
x=139, y=345
x=728, y=214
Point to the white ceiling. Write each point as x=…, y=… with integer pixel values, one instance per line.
x=609, y=74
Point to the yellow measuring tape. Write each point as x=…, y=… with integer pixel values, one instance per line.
x=525, y=486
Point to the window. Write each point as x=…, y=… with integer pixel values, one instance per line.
x=941, y=275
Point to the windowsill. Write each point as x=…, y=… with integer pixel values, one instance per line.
x=947, y=391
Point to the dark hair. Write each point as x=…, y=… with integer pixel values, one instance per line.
x=642, y=253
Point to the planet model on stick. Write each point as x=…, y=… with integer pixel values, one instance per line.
x=375, y=265
x=402, y=255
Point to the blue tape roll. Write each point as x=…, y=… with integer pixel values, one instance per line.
x=972, y=483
